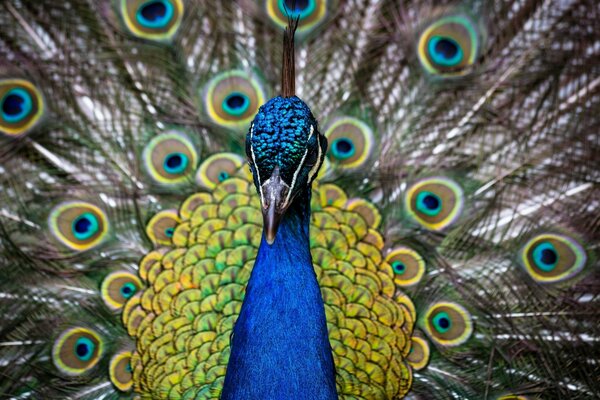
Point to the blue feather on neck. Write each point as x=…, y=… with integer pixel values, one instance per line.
x=280, y=348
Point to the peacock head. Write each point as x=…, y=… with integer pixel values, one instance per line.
x=285, y=150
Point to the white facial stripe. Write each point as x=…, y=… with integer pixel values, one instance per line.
x=301, y=165
x=312, y=130
x=255, y=166
x=315, y=167
x=312, y=172
x=287, y=198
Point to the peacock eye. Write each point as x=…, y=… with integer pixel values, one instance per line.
x=218, y=168
x=118, y=287
x=429, y=203
x=175, y=163
x=351, y=141
x=343, y=148
x=77, y=350
x=155, y=14
x=21, y=106
x=161, y=227
x=399, y=267
x=85, y=226
x=309, y=12
x=435, y=202
x=236, y=103
x=231, y=99
x=448, y=324
x=120, y=371
x=152, y=19
x=128, y=289
x=445, y=51
x=418, y=357
x=449, y=46
x=407, y=264
x=298, y=8
x=311, y=159
x=78, y=225
x=170, y=158
x=16, y=105
x=84, y=348
x=223, y=176
x=551, y=258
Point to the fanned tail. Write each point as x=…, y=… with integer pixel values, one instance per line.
x=461, y=182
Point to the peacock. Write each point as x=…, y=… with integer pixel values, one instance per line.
x=406, y=206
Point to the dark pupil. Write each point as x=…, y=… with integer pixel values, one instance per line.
x=444, y=323
x=174, y=161
x=127, y=290
x=344, y=146
x=549, y=256
x=235, y=101
x=446, y=47
x=223, y=175
x=81, y=349
x=299, y=4
x=12, y=104
x=431, y=202
x=82, y=225
x=154, y=11
x=400, y=267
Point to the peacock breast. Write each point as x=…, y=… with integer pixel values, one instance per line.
x=183, y=319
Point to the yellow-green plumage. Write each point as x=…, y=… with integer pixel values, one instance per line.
x=182, y=321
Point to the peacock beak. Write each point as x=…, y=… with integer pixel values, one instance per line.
x=275, y=201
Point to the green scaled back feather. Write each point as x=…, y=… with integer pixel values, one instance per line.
x=454, y=229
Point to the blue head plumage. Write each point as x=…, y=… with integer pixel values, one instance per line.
x=285, y=150
x=280, y=347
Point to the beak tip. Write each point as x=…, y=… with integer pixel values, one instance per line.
x=275, y=191
x=271, y=223
x=270, y=233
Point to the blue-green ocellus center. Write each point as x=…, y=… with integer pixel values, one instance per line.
x=445, y=51
x=16, y=105
x=169, y=232
x=343, y=148
x=175, y=163
x=297, y=8
x=223, y=175
x=545, y=256
x=84, y=348
x=128, y=290
x=85, y=226
x=429, y=203
x=155, y=13
x=442, y=322
x=399, y=267
x=236, y=104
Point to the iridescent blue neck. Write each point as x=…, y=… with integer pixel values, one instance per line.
x=280, y=348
